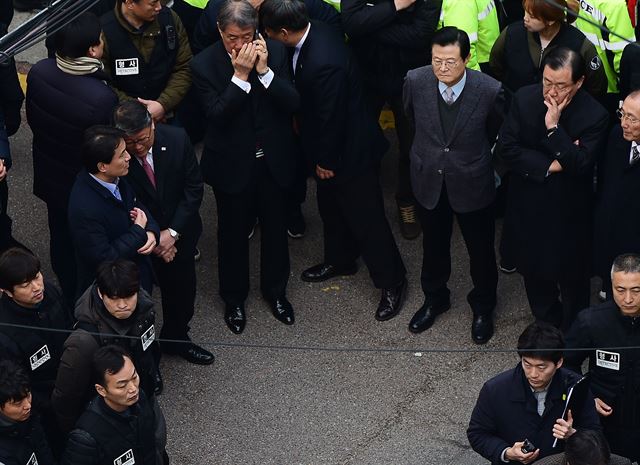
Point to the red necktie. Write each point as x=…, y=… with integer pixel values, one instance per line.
x=149, y=171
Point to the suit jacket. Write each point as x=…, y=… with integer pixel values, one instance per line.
x=549, y=217
x=337, y=130
x=463, y=160
x=506, y=412
x=102, y=230
x=237, y=122
x=617, y=212
x=175, y=202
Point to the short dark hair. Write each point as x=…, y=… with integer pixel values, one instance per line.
x=99, y=146
x=541, y=340
x=587, y=447
x=118, y=278
x=131, y=116
x=108, y=360
x=14, y=382
x=626, y=263
x=17, y=266
x=238, y=12
x=291, y=15
x=562, y=57
x=74, y=40
x=451, y=35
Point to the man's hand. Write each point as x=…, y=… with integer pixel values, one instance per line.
x=169, y=254
x=263, y=54
x=244, y=61
x=138, y=217
x=564, y=428
x=3, y=170
x=515, y=453
x=554, y=110
x=602, y=408
x=555, y=167
x=324, y=174
x=148, y=247
x=155, y=109
x=403, y=4
x=166, y=242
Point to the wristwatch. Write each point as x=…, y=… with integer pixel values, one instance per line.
x=175, y=234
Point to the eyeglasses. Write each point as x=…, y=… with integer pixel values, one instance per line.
x=142, y=141
x=559, y=87
x=625, y=116
x=448, y=64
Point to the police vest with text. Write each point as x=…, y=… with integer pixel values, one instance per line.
x=130, y=72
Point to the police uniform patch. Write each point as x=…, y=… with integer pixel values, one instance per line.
x=33, y=460
x=125, y=459
x=595, y=63
x=41, y=356
x=127, y=66
x=610, y=360
x=148, y=337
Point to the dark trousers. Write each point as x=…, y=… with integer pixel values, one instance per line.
x=62, y=252
x=297, y=192
x=177, y=282
x=266, y=199
x=544, y=299
x=354, y=224
x=405, y=139
x=478, y=231
x=622, y=440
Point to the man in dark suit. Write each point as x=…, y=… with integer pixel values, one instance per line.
x=166, y=177
x=245, y=87
x=549, y=143
x=456, y=113
x=343, y=144
x=105, y=218
x=617, y=212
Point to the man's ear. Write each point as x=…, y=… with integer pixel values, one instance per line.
x=102, y=392
x=580, y=82
x=101, y=167
x=466, y=60
x=560, y=362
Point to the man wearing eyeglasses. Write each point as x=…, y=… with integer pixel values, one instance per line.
x=549, y=143
x=616, y=226
x=456, y=113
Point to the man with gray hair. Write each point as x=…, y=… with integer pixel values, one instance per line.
x=249, y=155
x=614, y=370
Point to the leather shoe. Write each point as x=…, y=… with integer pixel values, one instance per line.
x=426, y=316
x=158, y=384
x=324, y=271
x=235, y=318
x=282, y=310
x=196, y=354
x=482, y=328
x=391, y=301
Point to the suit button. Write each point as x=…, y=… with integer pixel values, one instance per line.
x=439, y=171
x=446, y=149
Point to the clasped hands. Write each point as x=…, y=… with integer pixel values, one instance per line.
x=251, y=55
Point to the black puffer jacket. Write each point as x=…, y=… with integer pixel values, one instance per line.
x=73, y=388
x=20, y=441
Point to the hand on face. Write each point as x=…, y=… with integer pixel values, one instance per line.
x=244, y=60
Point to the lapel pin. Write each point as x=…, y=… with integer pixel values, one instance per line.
x=163, y=148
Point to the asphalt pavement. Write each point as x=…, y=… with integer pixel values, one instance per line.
x=337, y=387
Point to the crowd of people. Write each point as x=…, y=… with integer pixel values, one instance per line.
x=524, y=109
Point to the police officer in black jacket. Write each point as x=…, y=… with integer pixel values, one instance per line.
x=121, y=425
x=614, y=372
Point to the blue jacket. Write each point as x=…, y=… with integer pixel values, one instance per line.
x=102, y=229
x=506, y=412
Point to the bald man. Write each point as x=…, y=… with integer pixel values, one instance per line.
x=617, y=214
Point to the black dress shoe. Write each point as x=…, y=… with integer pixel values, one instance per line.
x=196, y=354
x=235, y=318
x=391, y=301
x=482, y=328
x=324, y=271
x=158, y=384
x=426, y=316
x=282, y=310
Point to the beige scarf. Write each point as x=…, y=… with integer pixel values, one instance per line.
x=79, y=66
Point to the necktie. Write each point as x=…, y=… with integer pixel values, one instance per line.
x=148, y=171
x=635, y=156
x=448, y=95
